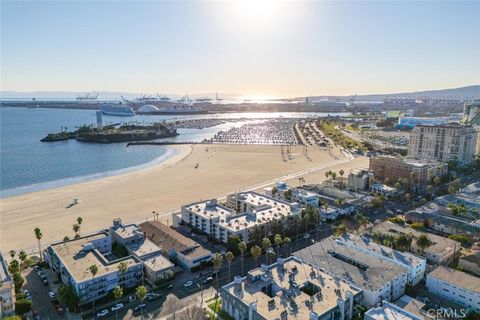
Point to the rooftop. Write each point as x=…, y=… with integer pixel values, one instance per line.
x=472, y=258
x=129, y=231
x=405, y=258
x=389, y=311
x=158, y=263
x=294, y=287
x=359, y=268
x=143, y=248
x=440, y=244
x=169, y=239
x=457, y=278
x=77, y=258
x=209, y=209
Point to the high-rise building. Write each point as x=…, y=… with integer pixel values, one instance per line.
x=7, y=294
x=444, y=143
x=471, y=113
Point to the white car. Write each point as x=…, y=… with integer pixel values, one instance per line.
x=118, y=306
x=306, y=236
x=188, y=284
x=102, y=313
x=52, y=295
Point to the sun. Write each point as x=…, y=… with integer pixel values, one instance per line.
x=258, y=13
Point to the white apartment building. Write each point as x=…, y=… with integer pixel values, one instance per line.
x=7, y=293
x=305, y=197
x=72, y=259
x=456, y=286
x=443, y=143
x=414, y=265
x=243, y=212
x=378, y=278
x=289, y=289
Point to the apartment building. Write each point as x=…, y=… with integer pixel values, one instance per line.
x=470, y=264
x=305, y=197
x=188, y=253
x=442, y=250
x=444, y=143
x=378, y=278
x=415, y=265
x=455, y=286
x=289, y=289
x=242, y=212
x=72, y=259
x=414, y=173
x=7, y=292
x=360, y=179
x=156, y=266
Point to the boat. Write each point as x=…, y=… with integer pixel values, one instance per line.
x=175, y=110
x=117, y=110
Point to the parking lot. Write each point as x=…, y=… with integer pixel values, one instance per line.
x=41, y=302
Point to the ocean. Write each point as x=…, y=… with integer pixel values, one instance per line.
x=27, y=165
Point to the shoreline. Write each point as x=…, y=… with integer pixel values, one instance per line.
x=171, y=152
x=222, y=169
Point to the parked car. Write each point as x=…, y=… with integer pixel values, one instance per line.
x=45, y=282
x=58, y=307
x=102, y=313
x=131, y=298
x=170, y=287
x=152, y=296
x=52, y=295
x=207, y=280
x=306, y=236
x=188, y=284
x=37, y=268
x=27, y=294
x=40, y=273
x=116, y=307
x=139, y=307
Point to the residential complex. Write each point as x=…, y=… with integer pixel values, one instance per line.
x=415, y=265
x=188, y=253
x=305, y=197
x=289, y=289
x=156, y=266
x=471, y=113
x=7, y=293
x=72, y=260
x=455, y=286
x=243, y=211
x=379, y=278
x=442, y=250
x=444, y=143
x=413, y=173
x=390, y=311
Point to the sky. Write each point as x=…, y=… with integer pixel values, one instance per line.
x=257, y=48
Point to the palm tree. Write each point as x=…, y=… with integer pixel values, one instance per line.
x=278, y=241
x=39, y=235
x=423, y=242
x=242, y=247
x=256, y=251
x=339, y=230
x=93, y=270
x=341, y=172
x=12, y=253
x=287, y=241
x=306, y=219
x=117, y=294
x=334, y=175
x=298, y=220
x=362, y=220
x=229, y=258
x=141, y=293
x=327, y=173
x=266, y=243
x=22, y=255
x=75, y=228
x=79, y=221
x=122, y=268
x=217, y=263
x=66, y=238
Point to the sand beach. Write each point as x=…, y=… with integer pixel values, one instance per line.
x=163, y=188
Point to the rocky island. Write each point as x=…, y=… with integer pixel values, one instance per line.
x=113, y=133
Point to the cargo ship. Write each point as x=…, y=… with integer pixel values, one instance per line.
x=117, y=110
